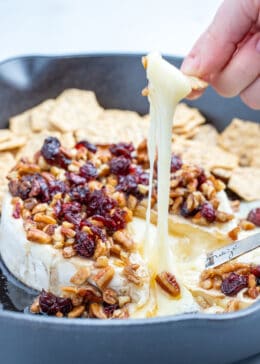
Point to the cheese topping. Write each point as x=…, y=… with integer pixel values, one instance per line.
x=167, y=86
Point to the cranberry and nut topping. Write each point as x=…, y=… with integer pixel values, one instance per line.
x=168, y=283
x=231, y=278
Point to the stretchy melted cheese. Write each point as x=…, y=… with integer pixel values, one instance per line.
x=167, y=86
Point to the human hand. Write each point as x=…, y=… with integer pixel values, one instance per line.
x=227, y=55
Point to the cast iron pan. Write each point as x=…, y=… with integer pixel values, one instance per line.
x=189, y=338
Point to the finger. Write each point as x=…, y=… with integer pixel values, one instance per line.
x=251, y=95
x=194, y=94
x=241, y=71
x=216, y=46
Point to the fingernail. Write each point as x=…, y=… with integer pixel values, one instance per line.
x=258, y=46
x=190, y=65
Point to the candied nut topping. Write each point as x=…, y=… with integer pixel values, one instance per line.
x=132, y=276
x=168, y=283
x=80, y=276
x=104, y=276
x=230, y=278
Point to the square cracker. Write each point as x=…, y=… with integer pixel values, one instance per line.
x=40, y=116
x=203, y=154
x=13, y=143
x=21, y=124
x=207, y=134
x=185, y=115
x=241, y=138
x=246, y=183
x=75, y=109
x=116, y=126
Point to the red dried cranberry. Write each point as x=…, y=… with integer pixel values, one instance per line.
x=85, y=244
x=120, y=166
x=233, y=284
x=85, y=144
x=185, y=212
x=254, y=216
x=51, y=304
x=95, y=231
x=127, y=184
x=79, y=193
x=176, y=163
x=57, y=186
x=17, y=211
x=113, y=222
x=33, y=185
x=122, y=149
x=88, y=171
x=109, y=309
x=75, y=178
x=98, y=203
x=202, y=178
x=71, y=212
x=52, y=154
x=208, y=212
x=255, y=270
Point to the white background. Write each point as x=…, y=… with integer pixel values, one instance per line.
x=76, y=26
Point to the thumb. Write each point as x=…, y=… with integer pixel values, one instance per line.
x=215, y=47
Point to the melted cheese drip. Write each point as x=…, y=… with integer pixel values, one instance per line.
x=167, y=86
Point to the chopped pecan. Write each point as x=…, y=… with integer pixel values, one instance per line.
x=168, y=283
x=101, y=262
x=38, y=236
x=101, y=249
x=207, y=284
x=68, y=232
x=130, y=273
x=80, y=276
x=76, y=311
x=41, y=207
x=124, y=239
x=30, y=203
x=110, y=296
x=104, y=276
x=35, y=306
x=96, y=310
x=232, y=306
x=40, y=217
x=233, y=234
x=90, y=293
x=222, y=216
x=68, y=252
x=120, y=314
x=246, y=225
x=123, y=300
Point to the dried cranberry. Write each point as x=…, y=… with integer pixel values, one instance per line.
x=57, y=186
x=75, y=178
x=120, y=166
x=122, y=149
x=57, y=208
x=202, y=178
x=51, y=304
x=113, y=222
x=52, y=153
x=88, y=171
x=254, y=216
x=71, y=212
x=17, y=211
x=85, y=144
x=85, y=244
x=185, y=212
x=208, y=212
x=98, y=203
x=79, y=193
x=95, y=231
x=109, y=309
x=127, y=184
x=233, y=284
x=176, y=163
x=255, y=270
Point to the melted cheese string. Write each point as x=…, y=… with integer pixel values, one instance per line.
x=167, y=86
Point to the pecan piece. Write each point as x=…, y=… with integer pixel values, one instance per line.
x=168, y=283
x=104, y=276
x=90, y=293
x=130, y=273
x=38, y=236
x=110, y=296
x=40, y=217
x=80, y=276
x=96, y=310
x=76, y=311
x=68, y=252
x=124, y=239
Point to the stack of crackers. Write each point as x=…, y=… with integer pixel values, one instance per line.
x=76, y=115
